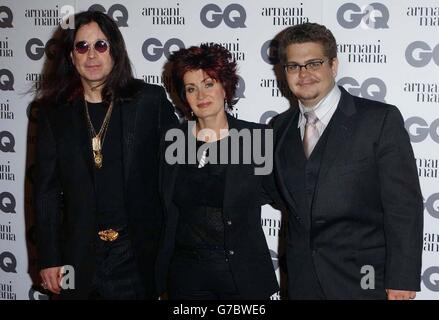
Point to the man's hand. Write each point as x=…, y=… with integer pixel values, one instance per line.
x=51, y=279
x=400, y=294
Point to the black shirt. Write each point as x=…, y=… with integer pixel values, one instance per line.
x=109, y=178
x=199, y=194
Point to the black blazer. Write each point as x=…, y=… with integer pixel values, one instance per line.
x=367, y=207
x=244, y=194
x=65, y=195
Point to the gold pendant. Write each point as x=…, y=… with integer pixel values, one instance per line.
x=98, y=159
x=96, y=143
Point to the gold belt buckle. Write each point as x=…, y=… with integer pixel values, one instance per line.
x=108, y=235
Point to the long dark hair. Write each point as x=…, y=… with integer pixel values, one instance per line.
x=60, y=80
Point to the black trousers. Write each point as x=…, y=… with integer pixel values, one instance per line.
x=116, y=276
x=201, y=275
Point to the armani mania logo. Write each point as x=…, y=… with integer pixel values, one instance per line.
x=164, y=15
x=423, y=91
x=6, y=233
x=276, y=88
x=431, y=242
x=6, y=292
x=271, y=226
x=285, y=16
x=5, y=111
x=5, y=51
x=35, y=78
x=427, y=168
x=5, y=172
x=50, y=16
x=363, y=53
x=233, y=47
x=426, y=16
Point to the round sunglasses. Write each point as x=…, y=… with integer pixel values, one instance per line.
x=100, y=46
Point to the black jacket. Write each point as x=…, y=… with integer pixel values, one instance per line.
x=65, y=195
x=366, y=208
x=250, y=261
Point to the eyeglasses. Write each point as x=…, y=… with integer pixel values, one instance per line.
x=100, y=46
x=310, y=66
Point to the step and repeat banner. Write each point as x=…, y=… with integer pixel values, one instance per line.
x=388, y=51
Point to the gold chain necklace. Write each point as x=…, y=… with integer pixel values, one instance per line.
x=97, y=139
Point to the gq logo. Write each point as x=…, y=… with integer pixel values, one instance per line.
x=269, y=52
x=432, y=205
x=240, y=89
x=373, y=16
x=6, y=80
x=418, y=54
x=267, y=116
x=7, y=202
x=211, y=16
x=7, y=141
x=121, y=18
x=8, y=262
x=418, y=129
x=6, y=17
x=153, y=49
x=431, y=284
x=35, y=49
x=35, y=295
x=371, y=88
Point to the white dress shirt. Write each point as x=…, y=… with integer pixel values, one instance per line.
x=324, y=110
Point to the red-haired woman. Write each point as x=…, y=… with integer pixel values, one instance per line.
x=213, y=245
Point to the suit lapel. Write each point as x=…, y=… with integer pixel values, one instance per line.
x=342, y=128
x=129, y=124
x=284, y=149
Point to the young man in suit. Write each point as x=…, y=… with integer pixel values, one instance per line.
x=346, y=170
x=97, y=204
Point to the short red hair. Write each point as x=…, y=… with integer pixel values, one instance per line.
x=213, y=59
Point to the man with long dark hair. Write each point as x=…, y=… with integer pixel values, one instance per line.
x=97, y=205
